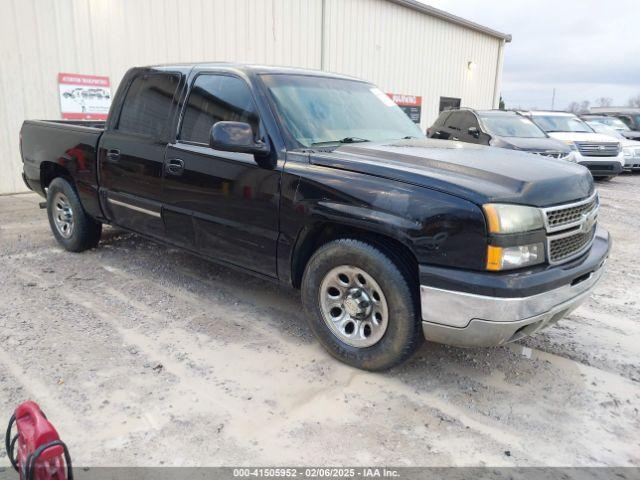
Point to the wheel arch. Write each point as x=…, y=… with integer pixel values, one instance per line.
x=50, y=170
x=313, y=236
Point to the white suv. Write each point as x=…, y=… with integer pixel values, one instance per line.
x=601, y=154
x=630, y=148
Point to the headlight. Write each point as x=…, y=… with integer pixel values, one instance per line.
x=628, y=152
x=506, y=218
x=508, y=258
x=572, y=145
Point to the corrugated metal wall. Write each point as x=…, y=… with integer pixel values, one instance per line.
x=402, y=50
x=405, y=51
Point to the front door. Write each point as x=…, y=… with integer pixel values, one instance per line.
x=220, y=203
x=131, y=155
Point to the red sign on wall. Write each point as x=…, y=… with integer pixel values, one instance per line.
x=84, y=97
x=410, y=104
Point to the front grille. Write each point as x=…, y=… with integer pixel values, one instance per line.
x=570, y=245
x=570, y=228
x=600, y=149
x=565, y=216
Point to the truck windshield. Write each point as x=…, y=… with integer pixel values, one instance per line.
x=325, y=111
x=511, y=126
x=561, y=123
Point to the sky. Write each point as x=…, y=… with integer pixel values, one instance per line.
x=585, y=49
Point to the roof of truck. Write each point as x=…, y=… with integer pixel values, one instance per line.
x=254, y=68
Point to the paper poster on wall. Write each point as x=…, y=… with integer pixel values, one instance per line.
x=410, y=104
x=84, y=97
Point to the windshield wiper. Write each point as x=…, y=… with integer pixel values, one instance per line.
x=343, y=140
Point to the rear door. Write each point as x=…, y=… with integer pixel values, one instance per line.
x=132, y=150
x=437, y=130
x=221, y=203
x=452, y=125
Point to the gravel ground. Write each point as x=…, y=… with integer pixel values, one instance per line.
x=144, y=355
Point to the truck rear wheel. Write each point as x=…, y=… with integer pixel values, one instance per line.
x=360, y=305
x=71, y=226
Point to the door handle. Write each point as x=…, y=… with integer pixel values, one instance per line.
x=175, y=166
x=113, y=155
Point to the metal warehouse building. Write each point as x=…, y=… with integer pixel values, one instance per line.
x=428, y=58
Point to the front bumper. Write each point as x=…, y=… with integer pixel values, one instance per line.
x=632, y=163
x=466, y=318
x=602, y=166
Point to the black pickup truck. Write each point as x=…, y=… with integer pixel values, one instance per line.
x=321, y=182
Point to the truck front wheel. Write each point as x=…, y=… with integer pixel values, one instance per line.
x=360, y=305
x=71, y=226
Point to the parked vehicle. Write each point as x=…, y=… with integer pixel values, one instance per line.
x=498, y=128
x=630, y=148
x=629, y=115
x=321, y=182
x=599, y=153
x=613, y=122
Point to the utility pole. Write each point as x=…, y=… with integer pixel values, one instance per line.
x=553, y=99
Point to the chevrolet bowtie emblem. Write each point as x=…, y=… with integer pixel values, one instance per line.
x=588, y=221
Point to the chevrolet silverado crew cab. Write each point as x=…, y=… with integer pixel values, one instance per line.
x=321, y=182
x=601, y=154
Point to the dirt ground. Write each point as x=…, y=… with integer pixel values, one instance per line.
x=145, y=355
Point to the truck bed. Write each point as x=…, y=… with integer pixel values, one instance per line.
x=50, y=145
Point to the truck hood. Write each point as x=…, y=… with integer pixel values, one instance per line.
x=477, y=173
x=582, y=137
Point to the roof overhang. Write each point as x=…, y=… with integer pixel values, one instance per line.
x=435, y=12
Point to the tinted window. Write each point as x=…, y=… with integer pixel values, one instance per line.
x=216, y=98
x=147, y=104
x=442, y=119
x=469, y=120
x=460, y=120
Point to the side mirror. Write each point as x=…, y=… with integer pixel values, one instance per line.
x=236, y=137
x=474, y=132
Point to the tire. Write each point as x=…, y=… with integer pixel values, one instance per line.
x=393, y=337
x=71, y=226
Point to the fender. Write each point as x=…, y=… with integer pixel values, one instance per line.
x=436, y=227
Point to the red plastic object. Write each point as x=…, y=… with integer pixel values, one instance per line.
x=36, y=450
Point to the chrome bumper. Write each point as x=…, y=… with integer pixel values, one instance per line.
x=468, y=320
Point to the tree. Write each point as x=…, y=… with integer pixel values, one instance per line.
x=501, y=104
x=604, y=101
x=634, y=101
x=578, y=107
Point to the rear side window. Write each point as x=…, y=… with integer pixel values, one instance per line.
x=455, y=120
x=442, y=119
x=147, y=105
x=216, y=98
